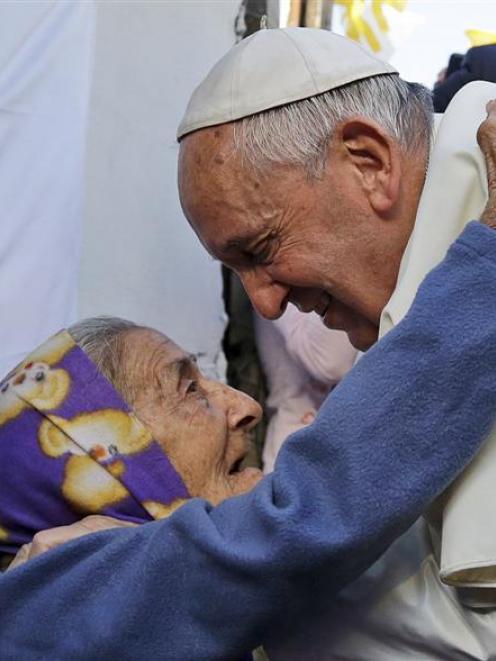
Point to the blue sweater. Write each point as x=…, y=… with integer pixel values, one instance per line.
x=211, y=583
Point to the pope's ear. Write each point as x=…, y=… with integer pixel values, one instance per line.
x=375, y=158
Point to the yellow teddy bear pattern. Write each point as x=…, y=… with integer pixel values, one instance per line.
x=34, y=382
x=99, y=437
x=160, y=511
x=4, y=534
x=88, y=486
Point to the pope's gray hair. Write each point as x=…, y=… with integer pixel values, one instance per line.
x=103, y=341
x=299, y=133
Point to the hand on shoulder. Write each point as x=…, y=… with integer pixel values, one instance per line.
x=486, y=137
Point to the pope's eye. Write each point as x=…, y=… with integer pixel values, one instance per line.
x=261, y=256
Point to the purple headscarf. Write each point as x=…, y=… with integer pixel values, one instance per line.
x=71, y=446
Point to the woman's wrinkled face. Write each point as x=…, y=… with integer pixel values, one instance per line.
x=203, y=425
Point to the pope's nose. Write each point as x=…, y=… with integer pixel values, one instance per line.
x=268, y=298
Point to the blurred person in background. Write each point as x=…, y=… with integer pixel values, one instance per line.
x=478, y=63
x=303, y=361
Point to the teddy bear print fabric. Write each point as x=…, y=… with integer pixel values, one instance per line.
x=71, y=446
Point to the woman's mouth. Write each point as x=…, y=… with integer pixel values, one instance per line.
x=244, y=475
x=236, y=466
x=242, y=478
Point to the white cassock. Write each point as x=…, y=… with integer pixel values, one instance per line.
x=432, y=595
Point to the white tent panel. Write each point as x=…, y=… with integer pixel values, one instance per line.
x=140, y=258
x=106, y=82
x=45, y=52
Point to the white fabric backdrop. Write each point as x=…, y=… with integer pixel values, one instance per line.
x=90, y=97
x=45, y=52
x=140, y=258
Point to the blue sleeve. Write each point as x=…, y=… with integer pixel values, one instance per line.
x=211, y=583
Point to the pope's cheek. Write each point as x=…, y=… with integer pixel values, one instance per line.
x=362, y=333
x=338, y=317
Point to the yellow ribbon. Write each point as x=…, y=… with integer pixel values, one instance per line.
x=481, y=37
x=358, y=28
x=378, y=11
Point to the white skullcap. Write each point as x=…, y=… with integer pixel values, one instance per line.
x=275, y=67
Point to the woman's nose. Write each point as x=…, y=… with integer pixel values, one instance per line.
x=244, y=412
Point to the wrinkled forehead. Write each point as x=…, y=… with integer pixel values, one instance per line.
x=210, y=175
x=150, y=352
x=212, y=146
x=225, y=201
x=149, y=342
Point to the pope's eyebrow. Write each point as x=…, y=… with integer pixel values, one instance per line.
x=247, y=244
x=235, y=243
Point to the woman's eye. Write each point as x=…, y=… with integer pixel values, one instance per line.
x=192, y=387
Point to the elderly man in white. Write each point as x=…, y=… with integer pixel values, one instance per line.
x=303, y=167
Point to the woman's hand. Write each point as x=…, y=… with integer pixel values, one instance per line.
x=50, y=539
x=486, y=137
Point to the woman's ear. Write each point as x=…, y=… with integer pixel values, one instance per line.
x=375, y=158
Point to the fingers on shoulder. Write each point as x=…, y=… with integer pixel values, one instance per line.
x=486, y=134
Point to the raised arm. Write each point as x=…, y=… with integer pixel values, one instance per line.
x=211, y=583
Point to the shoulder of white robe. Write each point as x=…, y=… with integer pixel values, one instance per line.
x=455, y=193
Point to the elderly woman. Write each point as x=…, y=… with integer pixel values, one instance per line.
x=69, y=436
x=113, y=418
